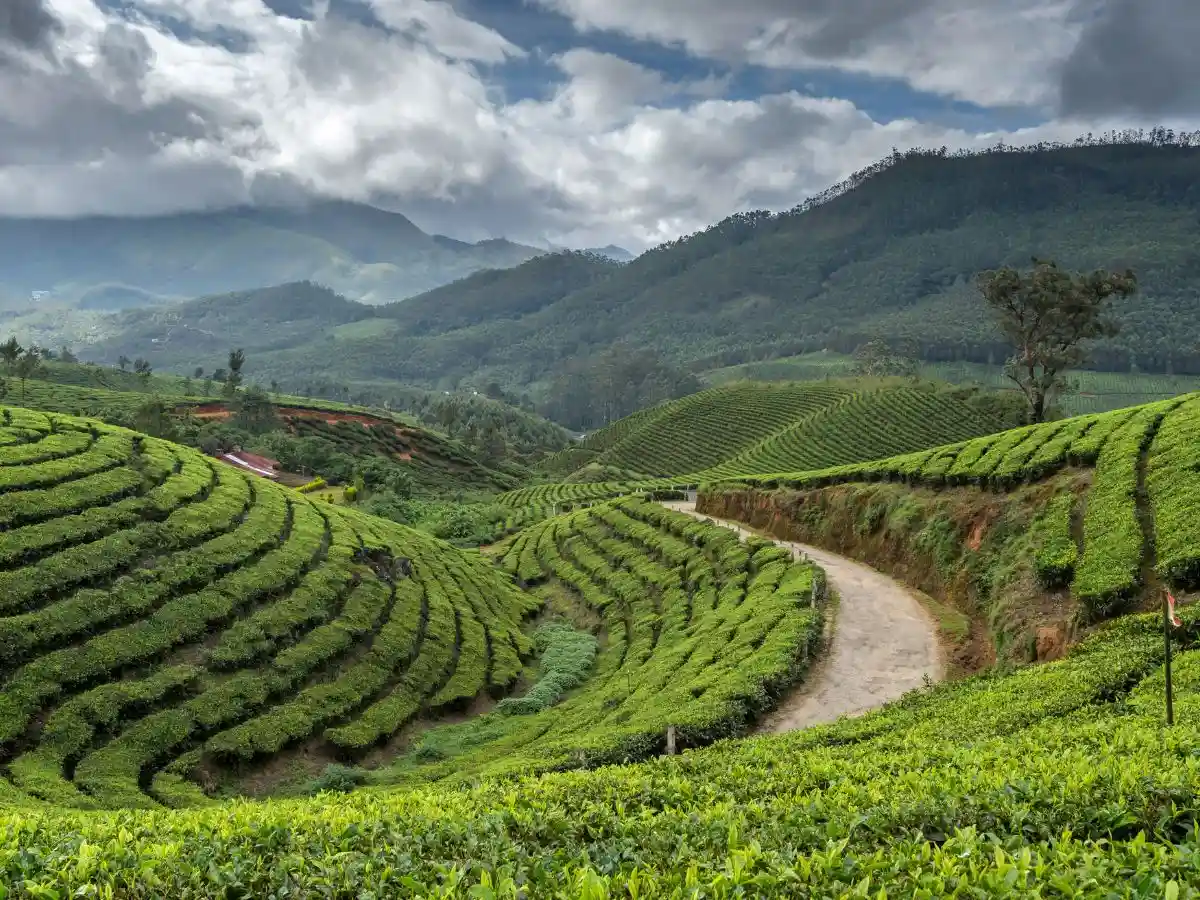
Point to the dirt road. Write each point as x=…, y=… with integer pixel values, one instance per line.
x=883, y=643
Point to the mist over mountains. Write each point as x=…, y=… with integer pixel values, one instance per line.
x=363, y=252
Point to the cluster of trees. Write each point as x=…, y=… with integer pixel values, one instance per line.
x=878, y=359
x=140, y=366
x=21, y=363
x=594, y=392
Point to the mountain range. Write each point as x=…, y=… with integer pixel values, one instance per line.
x=106, y=263
x=891, y=253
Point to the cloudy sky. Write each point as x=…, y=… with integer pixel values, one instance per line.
x=574, y=121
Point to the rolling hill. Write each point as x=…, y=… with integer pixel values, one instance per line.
x=1051, y=777
x=243, y=616
x=1126, y=528
x=364, y=252
x=166, y=615
x=280, y=325
x=437, y=465
x=892, y=252
x=751, y=427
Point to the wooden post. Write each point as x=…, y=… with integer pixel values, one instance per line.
x=1167, y=639
x=670, y=740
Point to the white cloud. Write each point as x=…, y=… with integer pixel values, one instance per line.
x=984, y=51
x=124, y=116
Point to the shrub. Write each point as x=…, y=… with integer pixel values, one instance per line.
x=337, y=778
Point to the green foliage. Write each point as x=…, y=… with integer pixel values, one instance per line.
x=1110, y=569
x=1049, y=315
x=566, y=657
x=121, y=551
x=254, y=412
x=337, y=779
x=1055, y=550
x=875, y=359
x=1078, y=793
x=710, y=427
x=1172, y=474
x=869, y=424
x=704, y=633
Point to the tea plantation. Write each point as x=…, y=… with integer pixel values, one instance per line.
x=1055, y=781
x=163, y=620
x=704, y=633
x=755, y=426
x=1138, y=519
x=157, y=607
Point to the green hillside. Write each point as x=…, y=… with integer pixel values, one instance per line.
x=868, y=424
x=356, y=341
x=1094, y=391
x=705, y=429
x=704, y=633
x=1124, y=530
x=194, y=614
x=343, y=434
x=1133, y=529
x=892, y=252
x=121, y=553
x=166, y=615
x=1005, y=785
x=755, y=427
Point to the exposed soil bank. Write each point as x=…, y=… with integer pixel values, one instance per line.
x=967, y=549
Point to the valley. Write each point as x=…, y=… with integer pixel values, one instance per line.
x=740, y=568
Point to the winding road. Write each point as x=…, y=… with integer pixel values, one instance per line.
x=884, y=642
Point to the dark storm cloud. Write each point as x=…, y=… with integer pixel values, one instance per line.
x=1139, y=57
x=27, y=24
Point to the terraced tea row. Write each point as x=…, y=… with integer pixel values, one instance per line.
x=867, y=426
x=802, y=427
x=1082, y=796
x=160, y=610
x=710, y=427
x=704, y=633
x=1105, y=568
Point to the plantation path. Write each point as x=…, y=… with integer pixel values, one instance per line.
x=883, y=644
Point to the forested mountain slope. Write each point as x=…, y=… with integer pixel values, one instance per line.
x=308, y=329
x=891, y=252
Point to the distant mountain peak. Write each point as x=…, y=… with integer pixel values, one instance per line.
x=612, y=251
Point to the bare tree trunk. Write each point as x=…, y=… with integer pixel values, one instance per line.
x=1039, y=406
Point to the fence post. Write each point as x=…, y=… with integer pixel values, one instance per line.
x=670, y=740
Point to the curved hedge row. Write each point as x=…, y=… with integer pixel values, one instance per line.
x=162, y=609
x=704, y=429
x=1105, y=568
x=869, y=425
x=1032, y=784
x=703, y=633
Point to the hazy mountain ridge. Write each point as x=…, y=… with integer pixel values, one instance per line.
x=363, y=252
